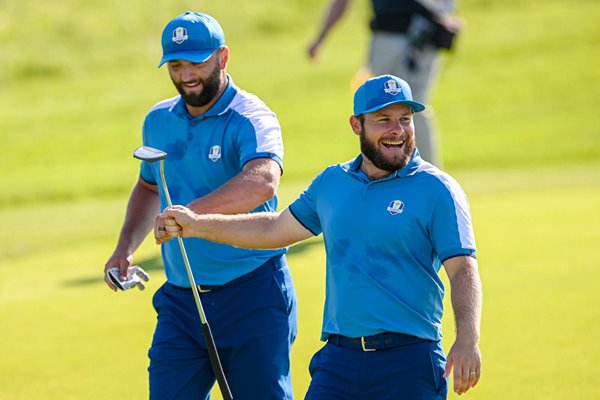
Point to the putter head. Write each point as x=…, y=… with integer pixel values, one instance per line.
x=135, y=276
x=150, y=154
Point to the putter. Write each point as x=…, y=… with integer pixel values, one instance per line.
x=151, y=154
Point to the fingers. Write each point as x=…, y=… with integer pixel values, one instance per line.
x=136, y=277
x=175, y=211
x=161, y=234
x=170, y=223
x=172, y=228
x=466, y=363
x=466, y=379
x=449, y=365
x=108, y=281
x=122, y=263
x=459, y=383
x=474, y=377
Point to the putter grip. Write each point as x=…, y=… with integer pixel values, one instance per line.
x=215, y=363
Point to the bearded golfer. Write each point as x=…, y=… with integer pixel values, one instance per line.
x=390, y=221
x=225, y=156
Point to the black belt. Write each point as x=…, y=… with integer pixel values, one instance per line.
x=272, y=264
x=382, y=341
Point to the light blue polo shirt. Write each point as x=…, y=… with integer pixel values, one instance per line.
x=385, y=241
x=204, y=153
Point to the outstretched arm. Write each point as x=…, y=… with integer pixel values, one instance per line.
x=334, y=13
x=255, y=184
x=464, y=356
x=254, y=231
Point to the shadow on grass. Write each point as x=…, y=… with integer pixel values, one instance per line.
x=149, y=265
x=155, y=264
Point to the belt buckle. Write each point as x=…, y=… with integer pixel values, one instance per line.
x=362, y=342
x=202, y=290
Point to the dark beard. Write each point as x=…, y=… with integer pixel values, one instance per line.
x=210, y=88
x=369, y=150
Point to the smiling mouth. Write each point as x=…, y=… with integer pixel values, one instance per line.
x=191, y=85
x=396, y=144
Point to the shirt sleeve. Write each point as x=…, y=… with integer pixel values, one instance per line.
x=261, y=135
x=451, y=227
x=305, y=207
x=146, y=173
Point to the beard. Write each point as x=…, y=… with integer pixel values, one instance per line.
x=210, y=88
x=390, y=164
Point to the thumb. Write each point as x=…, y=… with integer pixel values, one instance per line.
x=124, y=269
x=449, y=365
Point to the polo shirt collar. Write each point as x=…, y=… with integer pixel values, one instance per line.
x=410, y=169
x=220, y=106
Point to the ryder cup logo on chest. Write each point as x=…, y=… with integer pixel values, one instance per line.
x=392, y=87
x=215, y=153
x=396, y=207
x=179, y=35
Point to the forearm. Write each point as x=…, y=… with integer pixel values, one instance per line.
x=142, y=209
x=466, y=296
x=253, y=231
x=237, y=196
x=244, y=192
x=336, y=10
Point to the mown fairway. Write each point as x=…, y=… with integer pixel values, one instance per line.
x=516, y=106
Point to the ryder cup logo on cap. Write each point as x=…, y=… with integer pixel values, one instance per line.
x=180, y=35
x=392, y=87
x=192, y=37
x=382, y=91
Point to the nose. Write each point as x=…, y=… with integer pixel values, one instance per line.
x=187, y=74
x=398, y=126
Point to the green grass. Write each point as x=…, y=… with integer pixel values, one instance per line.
x=516, y=109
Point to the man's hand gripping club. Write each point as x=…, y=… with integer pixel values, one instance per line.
x=173, y=222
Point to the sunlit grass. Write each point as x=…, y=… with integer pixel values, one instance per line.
x=516, y=109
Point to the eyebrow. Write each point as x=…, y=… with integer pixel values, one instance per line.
x=386, y=114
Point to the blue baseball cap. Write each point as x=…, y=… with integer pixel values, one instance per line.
x=192, y=37
x=382, y=91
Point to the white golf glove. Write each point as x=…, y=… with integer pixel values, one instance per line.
x=135, y=276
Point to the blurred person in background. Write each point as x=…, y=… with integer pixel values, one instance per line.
x=406, y=39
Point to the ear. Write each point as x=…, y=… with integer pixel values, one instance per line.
x=355, y=124
x=224, y=57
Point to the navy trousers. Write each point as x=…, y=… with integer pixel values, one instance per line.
x=396, y=370
x=254, y=323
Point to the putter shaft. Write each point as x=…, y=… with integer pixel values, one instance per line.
x=211, y=346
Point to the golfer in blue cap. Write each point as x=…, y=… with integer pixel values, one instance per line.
x=225, y=155
x=390, y=221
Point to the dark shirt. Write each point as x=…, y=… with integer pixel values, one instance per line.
x=395, y=15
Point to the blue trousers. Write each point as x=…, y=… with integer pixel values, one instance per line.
x=408, y=372
x=254, y=323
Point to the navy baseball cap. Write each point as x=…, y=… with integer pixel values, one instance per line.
x=382, y=91
x=192, y=37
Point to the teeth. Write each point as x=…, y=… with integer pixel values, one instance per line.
x=394, y=143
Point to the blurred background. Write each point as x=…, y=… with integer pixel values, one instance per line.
x=516, y=107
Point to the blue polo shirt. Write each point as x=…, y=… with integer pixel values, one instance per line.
x=385, y=241
x=204, y=153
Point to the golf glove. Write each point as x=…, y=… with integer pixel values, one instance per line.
x=135, y=276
